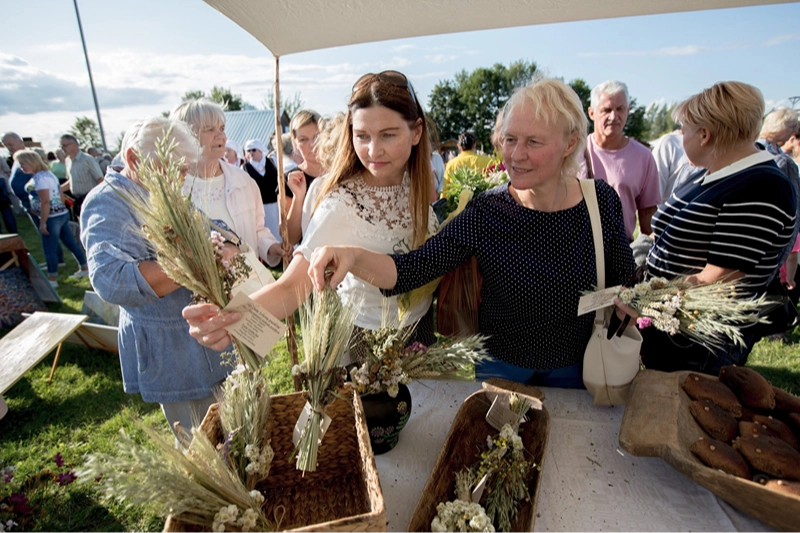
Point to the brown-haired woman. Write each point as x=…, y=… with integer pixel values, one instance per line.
x=375, y=195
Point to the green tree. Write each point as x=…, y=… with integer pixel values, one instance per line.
x=636, y=127
x=220, y=95
x=659, y=120
x=471, y=101
x=290, y=105
x=584, y=92
x=87, y=133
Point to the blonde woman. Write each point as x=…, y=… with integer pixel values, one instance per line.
x=304, y=129
x=734, y=221
x=45, y=199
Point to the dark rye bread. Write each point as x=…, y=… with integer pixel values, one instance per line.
x=785, y=402
x=778, y=429
x=749, y=386
x=703, y=388
x=770, y=455
x=720, y=456
x=717, y=422
x=786, y=487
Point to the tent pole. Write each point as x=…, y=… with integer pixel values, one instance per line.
x=291, y=333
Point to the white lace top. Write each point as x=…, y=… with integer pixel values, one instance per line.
x=375, y=218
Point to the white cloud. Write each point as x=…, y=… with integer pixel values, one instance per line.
x=47, y=48
x=402, y=47
x=782, y=39
x=686, y=50
x=438, y=59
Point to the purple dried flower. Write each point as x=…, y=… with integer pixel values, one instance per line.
x=66, y=478
x=20, y=503
x=8, y=475
x=59, y=460
x=415, y=346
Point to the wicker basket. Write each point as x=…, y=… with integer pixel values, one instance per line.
x=343, y=494
x=462, y=448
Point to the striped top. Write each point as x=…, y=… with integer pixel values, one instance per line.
x=84, y=173
x=741, y=218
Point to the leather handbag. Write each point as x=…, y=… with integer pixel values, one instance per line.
x=459, y=300
x=609, y=364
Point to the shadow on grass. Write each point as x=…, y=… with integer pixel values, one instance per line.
x=74, y=510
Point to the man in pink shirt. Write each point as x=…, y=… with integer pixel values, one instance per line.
x=625, y=164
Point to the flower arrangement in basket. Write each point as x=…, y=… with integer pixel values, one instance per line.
x=489, y=492
x=706, y=314
x=327, y=325
x=392, y=361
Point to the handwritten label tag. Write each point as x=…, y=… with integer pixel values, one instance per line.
x=302, y=420
x=478, y=492
x=500, y=414
x=257, y=328
x=597, y=300
x=259, y=274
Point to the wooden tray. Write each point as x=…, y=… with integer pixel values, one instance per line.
x=657, y=423
x=461, y=448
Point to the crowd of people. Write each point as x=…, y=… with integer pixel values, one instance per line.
x=717, y=199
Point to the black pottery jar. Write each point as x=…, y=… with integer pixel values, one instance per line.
x=386, y=417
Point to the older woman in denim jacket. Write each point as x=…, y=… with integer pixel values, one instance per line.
x=159, y=359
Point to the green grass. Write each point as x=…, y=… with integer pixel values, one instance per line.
x=85, y=407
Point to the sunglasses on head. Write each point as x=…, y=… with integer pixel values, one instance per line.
x=392, y=77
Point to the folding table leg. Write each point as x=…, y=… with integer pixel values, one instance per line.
x=55, y=362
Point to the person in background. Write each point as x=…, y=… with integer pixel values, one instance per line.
x=225, y=193
x=304, y=129
x=233, y=154
x=18, y=178
x=83, y=172
x=99, y=157
x=45, y=199
x=778, y=127
x=792, y=147
x=467, y=157
x=158, y=358
x=264, y=173
x=291, y=157
x=623, y=163
x=532, y=238
x=6, y=199
x=735, y=221
x=674, y=168
x=58, y=165
x=437, y=162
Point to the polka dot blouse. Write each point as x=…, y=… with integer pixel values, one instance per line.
x=535, y=266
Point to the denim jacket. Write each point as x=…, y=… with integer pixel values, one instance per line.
x=159, y=359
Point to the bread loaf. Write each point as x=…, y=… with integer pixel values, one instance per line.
x=749, y=386
x=769, y=454
x=720, y=456
x=778, y=429
x=704, y=388
x=717, y=422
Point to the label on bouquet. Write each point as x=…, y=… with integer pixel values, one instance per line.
x=257, y=328
x=259, y=274
x=500, y=413
x=478, y=492
x=302, y=421
x=597, y=300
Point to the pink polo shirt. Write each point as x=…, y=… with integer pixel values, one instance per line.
x=795, y=249
x=632, y=172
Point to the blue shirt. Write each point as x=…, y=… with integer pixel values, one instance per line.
x=159, y=359
x=19, y=180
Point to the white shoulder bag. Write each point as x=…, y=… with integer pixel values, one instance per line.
x=609, y=365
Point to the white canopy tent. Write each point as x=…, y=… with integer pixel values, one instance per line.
x=292, y=26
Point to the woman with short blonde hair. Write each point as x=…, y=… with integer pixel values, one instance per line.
x=735, y=220
x=304, y=129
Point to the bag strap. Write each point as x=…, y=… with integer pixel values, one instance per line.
x=590, y=196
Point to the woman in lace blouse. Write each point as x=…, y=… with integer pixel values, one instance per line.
x=375, y=195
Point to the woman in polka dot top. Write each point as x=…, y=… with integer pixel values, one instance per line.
x=532, y=239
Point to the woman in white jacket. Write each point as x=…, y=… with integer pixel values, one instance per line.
x=224, y=192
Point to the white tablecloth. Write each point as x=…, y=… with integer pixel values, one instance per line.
x=588, y=482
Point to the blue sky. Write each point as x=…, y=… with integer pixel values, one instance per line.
x=145, y=54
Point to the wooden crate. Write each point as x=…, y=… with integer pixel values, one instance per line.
x=462, y=448
x=343, y=494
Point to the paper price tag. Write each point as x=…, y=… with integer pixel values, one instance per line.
x=597, y=300
x=478, y=492
x=303, y=419
x=500, y=414
x=257, y=328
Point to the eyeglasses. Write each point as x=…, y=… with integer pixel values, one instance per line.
x=392, y=77
x=252, y=149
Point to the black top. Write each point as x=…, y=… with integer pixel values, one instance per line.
x=268, y=183
x=742, y=221
x=309, y=180
x=535, y=266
